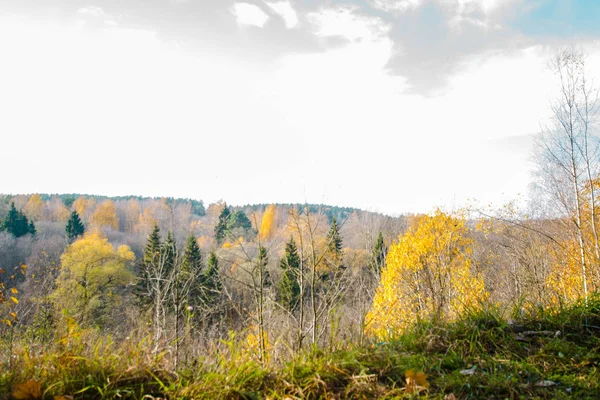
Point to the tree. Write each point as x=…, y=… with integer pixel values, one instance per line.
x=34, y=208
x=17, y=223
x=334, y=250
x=210, y=281
x=221, y=227
x=192, y=265
x=105, y=216
x=239, y=221
x=567, y=155
x=169, y=252
x=427, y=277
x=192, y=257
x=268, y=222
x=378, y=255
x=289, y=289
x=92, y=271
x=143, y=289
x=334, y=239
x=74, y=227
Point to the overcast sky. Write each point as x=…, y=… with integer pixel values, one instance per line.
x=388, y=105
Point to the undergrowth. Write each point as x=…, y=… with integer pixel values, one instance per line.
x=546, y=354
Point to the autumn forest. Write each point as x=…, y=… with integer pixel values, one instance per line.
x=109, y=297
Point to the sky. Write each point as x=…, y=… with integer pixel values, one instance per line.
x=393, y=106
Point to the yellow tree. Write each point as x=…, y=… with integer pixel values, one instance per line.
x=91, y=272
x=34, y=208
x=105, y=215
x=428, y=276
x=267, y=225
x=84, y=207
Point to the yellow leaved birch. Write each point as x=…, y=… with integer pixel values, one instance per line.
x=428, y=276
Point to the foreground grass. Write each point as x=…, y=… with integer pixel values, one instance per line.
x=551, y=355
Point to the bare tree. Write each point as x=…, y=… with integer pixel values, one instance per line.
x=568, y=152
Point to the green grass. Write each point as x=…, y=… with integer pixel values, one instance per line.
x=508, y=360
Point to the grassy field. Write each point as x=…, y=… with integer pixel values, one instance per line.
x=549, y=355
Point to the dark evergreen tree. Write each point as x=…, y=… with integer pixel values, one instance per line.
x=31, y=228
x=239, y=220
x=153, y=246
x=221, y=227
x=334, y=239
x=210, y=281
x=289, y=289
x=192, y=257
x=378, y=255
x=150, y=259
x=74, y=227
x=261, y=262
x=169, y=254
x=192, y=269
x=17, y=223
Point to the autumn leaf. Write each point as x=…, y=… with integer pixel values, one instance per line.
x=30, y=390
x=15, y=291
x=14, y=299
x=415, y=382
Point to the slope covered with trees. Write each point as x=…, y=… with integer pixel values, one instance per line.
x=137, y=296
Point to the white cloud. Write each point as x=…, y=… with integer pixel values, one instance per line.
x=286, y=11
x=396, y=5
x=249, y=14
x=91, y=11
x=344, y=22
x=476, y=12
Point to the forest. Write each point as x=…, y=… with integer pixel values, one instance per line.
x=138, y=297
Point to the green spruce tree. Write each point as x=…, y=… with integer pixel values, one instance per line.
x=210, y=281
x=334, y=239
x=74, y=227
x=192, y=257
x=378, y=255
x=17, y=223
x=221, y=227
x=153, y=246
x=289, y=289
x=169, y=254
x=192, y=269
x=151, y=258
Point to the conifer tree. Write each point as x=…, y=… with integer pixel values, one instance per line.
x=151, y=258
x=210, y=280
x=17, y=223
x=334, y=248
x=192, y=258
x=31, y=228
x=153, y=246
x=289, y=289
x=192, y=268
x=239, y=220
x=169, y=253
x=334, y=239
x=378, y=255
x=74, y=227
x=262, y=262
x=221, y=227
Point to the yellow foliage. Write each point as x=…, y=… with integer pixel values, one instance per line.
x=427, y=276
x=415, y=382
x=90, y=269
x=253, y=346
x=83, y=206
x=105, y=215
x=34, y=207
x=204, y=242
x=30, y=390
x=267, y=225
